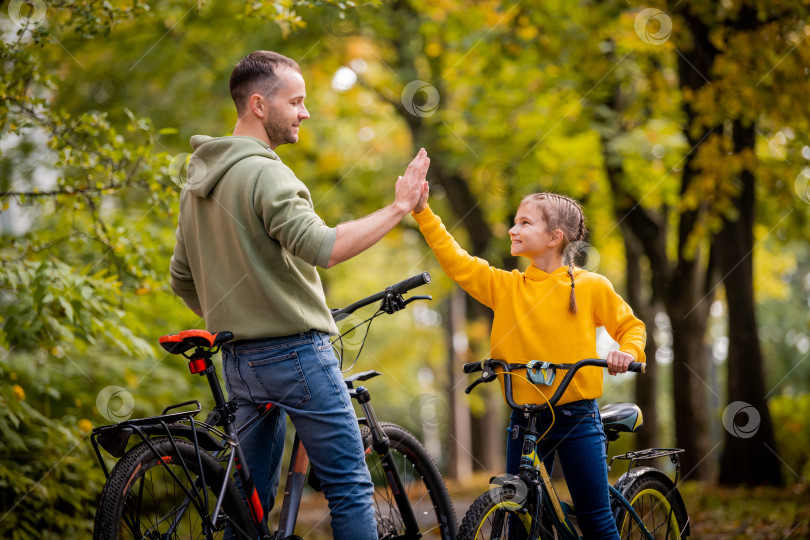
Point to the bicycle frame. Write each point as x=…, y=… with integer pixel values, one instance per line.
x=299, y=465
x=533, y=472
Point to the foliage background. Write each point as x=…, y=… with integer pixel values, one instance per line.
x=99, y=100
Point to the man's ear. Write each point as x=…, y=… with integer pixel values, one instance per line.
x=256, y=105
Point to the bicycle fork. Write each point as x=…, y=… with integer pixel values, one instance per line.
x=382, y=446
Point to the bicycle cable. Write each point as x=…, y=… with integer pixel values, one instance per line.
x=534, y=387
x=362, y=345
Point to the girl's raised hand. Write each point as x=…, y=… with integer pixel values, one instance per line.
x=422, y=204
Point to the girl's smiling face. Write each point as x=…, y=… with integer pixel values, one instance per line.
x=530, y=235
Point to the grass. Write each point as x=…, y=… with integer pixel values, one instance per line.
x=716, y=513
x=722, y=513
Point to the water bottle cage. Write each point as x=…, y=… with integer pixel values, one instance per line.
x=540, y=372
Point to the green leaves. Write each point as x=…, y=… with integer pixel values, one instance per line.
x=51, y=304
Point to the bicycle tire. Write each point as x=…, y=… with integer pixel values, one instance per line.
x=424, y=485
x=657, y=502
x=141, y=499
x=489, y=515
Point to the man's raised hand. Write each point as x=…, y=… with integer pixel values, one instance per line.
x=409, y=186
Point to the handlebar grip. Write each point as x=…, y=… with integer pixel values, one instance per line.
x=637, y=367
x=410, y=283
x=472, y=367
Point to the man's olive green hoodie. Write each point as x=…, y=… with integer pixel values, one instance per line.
x=248, y=241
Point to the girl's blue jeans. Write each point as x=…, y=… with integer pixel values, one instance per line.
x=300, y=376
x=579, y=439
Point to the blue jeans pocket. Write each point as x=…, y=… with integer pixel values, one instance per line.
x=326, y=351
x=282, y=377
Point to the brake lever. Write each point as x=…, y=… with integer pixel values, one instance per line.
x=392, y=303
x=486, y=377
x=473, y=385
x=418, y=297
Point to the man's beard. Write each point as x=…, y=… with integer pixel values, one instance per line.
x=278, y=132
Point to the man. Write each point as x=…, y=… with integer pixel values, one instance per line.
x=248, y=241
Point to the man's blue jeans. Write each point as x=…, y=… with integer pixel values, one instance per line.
x=301, y=377
x=578, y=437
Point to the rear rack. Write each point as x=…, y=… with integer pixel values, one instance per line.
x=651, y=453
x=114, y=438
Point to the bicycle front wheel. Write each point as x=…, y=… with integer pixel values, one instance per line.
x=490, y=517
x=141, y=499
x=423, y=485
x=659, y=505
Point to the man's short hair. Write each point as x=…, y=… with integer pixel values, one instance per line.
x=257, y=73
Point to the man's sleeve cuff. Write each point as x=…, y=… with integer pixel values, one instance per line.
x=326, y=247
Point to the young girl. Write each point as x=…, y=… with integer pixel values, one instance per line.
x=550, y=313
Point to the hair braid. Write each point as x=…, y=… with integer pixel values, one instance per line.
x=572, y=302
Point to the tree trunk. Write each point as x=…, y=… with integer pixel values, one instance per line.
x=687, y=303
x=750, y=456
x=645, y=310
x=690, y=387
x=460, y=462
x=687, y=298
x=634, y=250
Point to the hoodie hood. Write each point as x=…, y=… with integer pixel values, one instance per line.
x=535, y=274
x=214, y=156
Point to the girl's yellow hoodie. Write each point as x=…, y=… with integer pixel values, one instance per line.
x=532, y=321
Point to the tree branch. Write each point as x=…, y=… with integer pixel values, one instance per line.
x=75, y=191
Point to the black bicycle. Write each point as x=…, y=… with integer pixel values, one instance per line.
x=177, y=478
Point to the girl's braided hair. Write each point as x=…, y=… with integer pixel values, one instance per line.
x=563, y=213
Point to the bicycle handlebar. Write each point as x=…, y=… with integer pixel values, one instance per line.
x=489, y=375
x=411, y=283
x=397, y=289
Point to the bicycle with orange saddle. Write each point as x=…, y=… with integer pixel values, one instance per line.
x=176, y=478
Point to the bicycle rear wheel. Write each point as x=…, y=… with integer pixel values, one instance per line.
x=423, y=484
x=142, y=500
x=659, y=505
